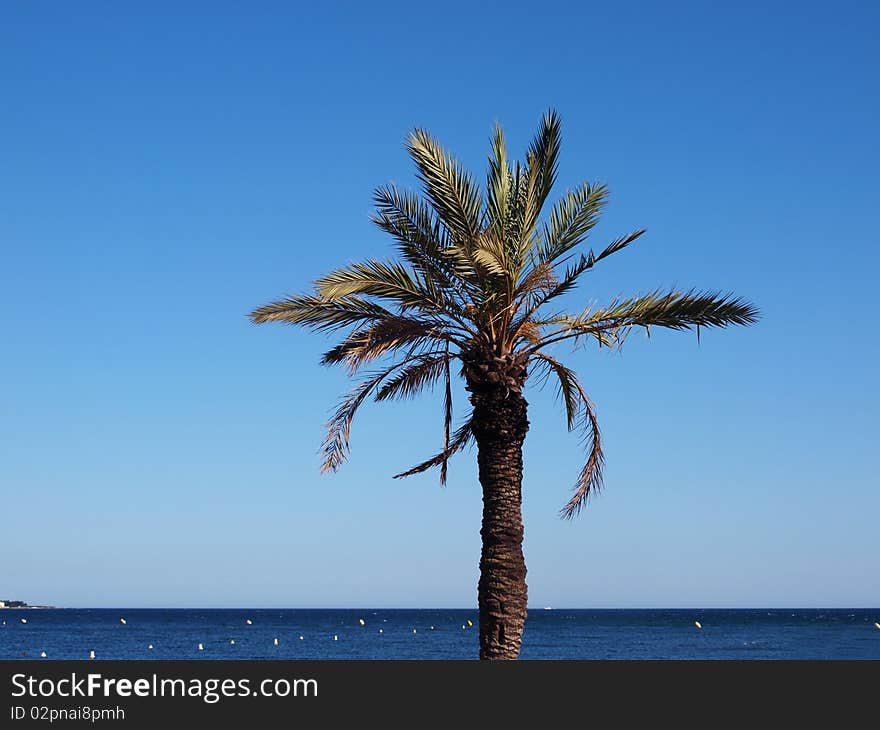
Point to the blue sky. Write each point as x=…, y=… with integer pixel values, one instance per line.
x=164, y=169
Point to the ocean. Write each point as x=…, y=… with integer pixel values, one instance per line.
x=437, y=634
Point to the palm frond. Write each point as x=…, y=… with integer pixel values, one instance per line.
x=589, y=480
x=380, y=337
x=527, y=209
x=615, y=246
x=336, y=445
x=579, y=409
x=447, y=416
x=318, y=313
x=498, y=185
x=573, y=272
x=672, y=310
x=422, y=239
x=451, y=189
x=571, y=219
x=425, y=371
x=385, y=280
x=491, y=256
x=567, y=387
x=543, y=155
x=460, y=439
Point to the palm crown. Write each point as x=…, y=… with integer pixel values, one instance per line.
x=475, y=281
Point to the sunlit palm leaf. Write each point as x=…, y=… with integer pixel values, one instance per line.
x=672, y=310
x=448, y=186
x=498, y=185
x=386, y=280
x=576, y=213
x=544, y=155
x=422, y=239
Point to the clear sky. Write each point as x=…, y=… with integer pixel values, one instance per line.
x=166, y=167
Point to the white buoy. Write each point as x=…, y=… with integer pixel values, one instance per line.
x=301, y=638
x=150, y=647
x=380, y=631
x=361, y=622
x=43, y=654
x=698, y=624
x=414, y=631
x=24, y=620
x=275, y=642
x=335, y=637
x=464, y=627
x=232, y=642
x=201, y=648
x=122, y=621
x=432, y=628
x=248, y=622
x=92, y=654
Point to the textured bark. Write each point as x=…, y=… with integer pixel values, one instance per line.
x=500, y=425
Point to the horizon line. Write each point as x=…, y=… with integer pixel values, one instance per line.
x=445, y=608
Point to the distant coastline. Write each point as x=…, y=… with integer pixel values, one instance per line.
x=20, y=605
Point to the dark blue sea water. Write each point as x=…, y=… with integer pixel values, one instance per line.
x=437, y=634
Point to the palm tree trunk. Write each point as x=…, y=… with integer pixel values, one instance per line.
x=500, y=425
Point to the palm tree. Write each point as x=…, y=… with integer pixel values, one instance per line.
x=474, y=281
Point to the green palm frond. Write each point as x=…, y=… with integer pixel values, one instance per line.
x=391, y=281
x=544, y=152
x=531, y=184
x=451, y=189
x=537, y=296
x=541, y=285
x=499, y=185
x=615, y=246
x=423, y=240
x=672, y=310
x=571, y=219
x=527, y=208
